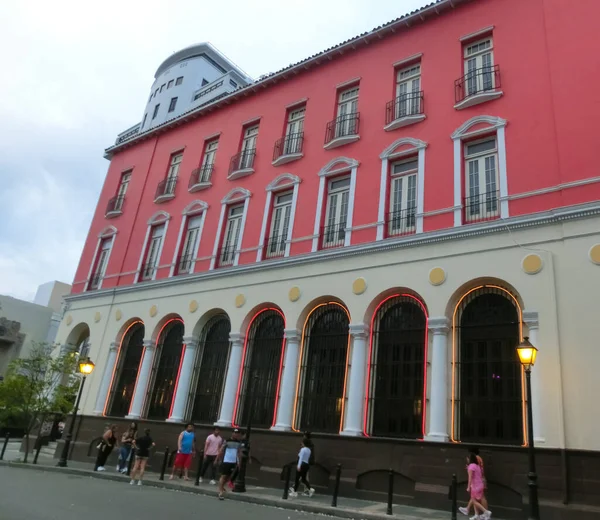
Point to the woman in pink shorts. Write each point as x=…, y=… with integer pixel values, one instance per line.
x=476, y=487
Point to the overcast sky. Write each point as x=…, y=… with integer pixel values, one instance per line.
x=75, y=73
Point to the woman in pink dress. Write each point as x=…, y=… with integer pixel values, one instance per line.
x=476, y=487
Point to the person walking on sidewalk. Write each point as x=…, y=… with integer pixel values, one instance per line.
x=211, y=451
x=475, y=487
x=142, y=452
x=302, y=470
x=229, y=457
x=107, y=443
x=474, y=450
x=126, y=447
x=186, y=450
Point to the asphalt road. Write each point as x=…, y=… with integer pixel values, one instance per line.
x=36, y=495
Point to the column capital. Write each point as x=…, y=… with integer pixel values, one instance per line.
x=439, y=325
x=359, y=330
x=190, y=342
x=149, y=344
x=237, y=339
x=531, y=319
x=292, y=334
x=114, y=346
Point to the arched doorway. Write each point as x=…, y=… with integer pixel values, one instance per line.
x=211, y=368
x=126, y=371
x=396, y=377
x=169, y=354
x=320, y=393
x=489, y=387
x=261, y=369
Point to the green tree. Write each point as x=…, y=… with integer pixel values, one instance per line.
x=37, y=385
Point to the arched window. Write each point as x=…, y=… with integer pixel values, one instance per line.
x=211, y=368
x=260, y=373
x=323, y=370
x=396, y=383
x=168, y=357
x=489, y=390
x=128, y=365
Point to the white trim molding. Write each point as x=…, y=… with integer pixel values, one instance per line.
x=107, y=232
x=160, y=217
x=279, y=183
x=194, y=208
x=334, y=167
x=464, y=132
x=393, y=152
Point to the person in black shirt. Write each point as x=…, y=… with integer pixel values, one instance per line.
x=142, y=447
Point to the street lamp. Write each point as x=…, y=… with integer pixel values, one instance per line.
x=240, y=481
x=85, y=367
x=527, y=355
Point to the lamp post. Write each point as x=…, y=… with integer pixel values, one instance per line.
x=240, y=481
x=527, y=355
x=85, y=367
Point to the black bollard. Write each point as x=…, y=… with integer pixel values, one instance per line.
x=453, y=494
x=288, y=475
x=200, y=461
x=336, y=487
x=6, y=439
x=37, y=451
x=390, y=493
x=131, y=461
x=164, y=465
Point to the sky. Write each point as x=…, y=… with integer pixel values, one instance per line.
x=75, y=74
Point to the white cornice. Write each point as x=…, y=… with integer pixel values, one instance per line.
x=463, y=130
x=235, y=195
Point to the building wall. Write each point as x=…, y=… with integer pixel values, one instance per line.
x=51, y=294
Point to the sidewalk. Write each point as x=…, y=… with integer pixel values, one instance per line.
x=347, y=507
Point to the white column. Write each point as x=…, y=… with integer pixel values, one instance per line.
x=185, y=380
x=109, y=368
x=287, y=391
x=531, y=320
x=231, y=380
x=141, y=386
x=356, y=388
x=438, y=396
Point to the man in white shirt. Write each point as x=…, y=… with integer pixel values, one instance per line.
x=302, y=470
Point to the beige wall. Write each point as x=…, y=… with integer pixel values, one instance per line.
x=564, y=294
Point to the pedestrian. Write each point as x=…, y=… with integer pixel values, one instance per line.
x=484, y=502
x=302, y=468
x=211, y=451
x=107, y=443
x=475, y=487
x=142, y=452
x=126, y=448
x=229, y=458
x=186, y=450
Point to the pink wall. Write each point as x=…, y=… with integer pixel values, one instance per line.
x=545, y=50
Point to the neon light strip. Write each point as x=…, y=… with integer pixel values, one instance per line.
x=370, y=361
x=453, y=402
x=177, y=380
x=301, y=354
x=119, y=354
x=241, y=376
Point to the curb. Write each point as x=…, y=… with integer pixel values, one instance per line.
x=338, y=512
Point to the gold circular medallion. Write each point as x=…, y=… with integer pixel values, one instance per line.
x=437, y=276
x=69, y=320
x=97, y=317
x=118, y=315
x=193, y=307
x=294, y=294
x=595, y=254
x=153, y=311
x=240, y=300
x=532, y=264
x=359, y=286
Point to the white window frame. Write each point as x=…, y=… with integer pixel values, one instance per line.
x=400, y=178
x=159, y=218
x=194, y=209
x=479, y=64
x=464, y=133
x=282, y=182
x=480, y=158
x=295, y=125
x=122, y=189
x=337, y=194
x=210, y=155
x=412, y=104
x=346, y=107
x=399, y=149
x=107, y=232
x=235, y=196
x=248, y=143
x=335, y=168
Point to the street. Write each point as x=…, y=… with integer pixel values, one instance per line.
x=36, y=495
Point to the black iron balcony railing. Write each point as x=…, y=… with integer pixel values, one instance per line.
x=482, y=206
x=95, y=281
x=147, y=271
x=333, y=235
x=226, y=255
x=402, y=222
x=477, y=81
x=288, y=145
x=410, y=104
x=166, y=187
x=201, y=175
x=242, y=161
x=115, y=205
x=184, y=264
x=275, y=246
x=342, y=126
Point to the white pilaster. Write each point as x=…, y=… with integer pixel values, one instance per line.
x=231, y=379
x=457, y=182
x=106, y=378
x=383, y=182
x=356, y=388
x=285, y=409
x=141, y=385
x=531, y=320
x=438, y=398
x=185, y=380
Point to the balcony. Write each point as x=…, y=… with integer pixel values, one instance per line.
x=288, y=149
x=184, y=264
x=406, y=109
x=401, y=222
x=242, y=164
x=114, y=208
x=165, y=190
x=200, y=178
x=147, y=272
x=128, y=134
x=226, y=256
x=342, y=130
x=333, y=235
x=477, y=86
x=95, y=282
x=275, y=246
x=482, y=207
